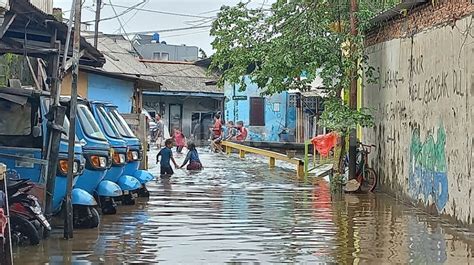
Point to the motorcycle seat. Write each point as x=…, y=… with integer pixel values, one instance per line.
x=13, y=184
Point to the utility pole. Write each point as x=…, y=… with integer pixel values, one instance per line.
x=353, y=89
x=97, y=20
x=68, y=222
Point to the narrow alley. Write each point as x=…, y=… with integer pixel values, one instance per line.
x=240, y=211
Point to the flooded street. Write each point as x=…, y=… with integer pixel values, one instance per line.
x=240, y=211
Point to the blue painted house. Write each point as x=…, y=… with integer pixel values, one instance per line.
x=284, y=117
x=117, y=91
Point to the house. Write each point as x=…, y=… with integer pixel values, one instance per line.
x=289, y=116
x=120, y=81
x=149, y=47
x=188, y=99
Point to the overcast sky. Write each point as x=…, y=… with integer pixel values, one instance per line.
x=200, y=11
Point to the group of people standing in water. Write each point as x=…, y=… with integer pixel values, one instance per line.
x=219, y=133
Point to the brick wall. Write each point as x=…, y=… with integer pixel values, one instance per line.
x=421, y=18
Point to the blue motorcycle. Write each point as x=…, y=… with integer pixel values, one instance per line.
x=23, y=145
x=98, y=154
x=135, y=153
x=127, y=183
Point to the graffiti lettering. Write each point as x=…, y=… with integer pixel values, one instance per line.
x=392, y=79
x=394, y=110
x=416, y=65
x=431, y=89
x=427, y=172
x=457, y=83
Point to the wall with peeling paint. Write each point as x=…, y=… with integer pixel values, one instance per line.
x=423, y=101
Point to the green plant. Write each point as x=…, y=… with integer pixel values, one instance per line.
x=337, y=182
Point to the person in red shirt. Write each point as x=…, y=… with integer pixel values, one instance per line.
x=217, y=129
x=242, y=132
x=179, y=139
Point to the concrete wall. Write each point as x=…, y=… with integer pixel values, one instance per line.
x=275, y=120
x=176, y=52
x=423, y=103
x=113, y=90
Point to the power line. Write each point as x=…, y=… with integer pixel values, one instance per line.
x=126, y=11
x=169, y=30
x=161, y=12
x=121, y=25
x=184, y=34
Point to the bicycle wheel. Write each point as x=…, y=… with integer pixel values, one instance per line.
x=369, y=180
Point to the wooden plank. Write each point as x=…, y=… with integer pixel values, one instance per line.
x=139, y=126
x=263, y=152
x=8, y=20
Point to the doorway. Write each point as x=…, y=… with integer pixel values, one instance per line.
x=176, y=117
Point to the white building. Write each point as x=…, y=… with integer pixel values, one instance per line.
x=45, y=5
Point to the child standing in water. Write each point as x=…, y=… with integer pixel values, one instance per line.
x=179, y=139
x=192, y=158
x=166, y=155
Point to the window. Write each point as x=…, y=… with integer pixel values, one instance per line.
x=107, y=123
x=89, y=125
x=165, y=56
x=257, y=112
x=121, y=124
x=276, y=107
x=161, y=56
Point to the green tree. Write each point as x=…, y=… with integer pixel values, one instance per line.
x=276, y=46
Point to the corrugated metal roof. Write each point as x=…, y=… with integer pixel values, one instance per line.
x=183, y=77
x=174, y=76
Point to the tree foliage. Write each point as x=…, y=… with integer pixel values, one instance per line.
x=287, y=45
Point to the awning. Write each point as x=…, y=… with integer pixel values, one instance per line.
x=219, y=96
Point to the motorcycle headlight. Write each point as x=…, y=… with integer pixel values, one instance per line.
x=119, y=159
x=133, y=156
x=98, y=162
x=64, y=165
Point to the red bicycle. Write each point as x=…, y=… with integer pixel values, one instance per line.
x=366, y=176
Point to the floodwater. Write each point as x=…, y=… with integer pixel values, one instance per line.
x=239, y=211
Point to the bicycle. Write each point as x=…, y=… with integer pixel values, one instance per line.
x=365, y=175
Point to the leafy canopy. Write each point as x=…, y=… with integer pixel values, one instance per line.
x=276, y=46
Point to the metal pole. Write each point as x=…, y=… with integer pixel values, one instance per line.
x=56, y=116
x=353, y=91
x=68, y=222
x=97, y=20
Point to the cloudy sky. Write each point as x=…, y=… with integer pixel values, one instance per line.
x=185, y=13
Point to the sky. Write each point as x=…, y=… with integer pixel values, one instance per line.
x=196, y=13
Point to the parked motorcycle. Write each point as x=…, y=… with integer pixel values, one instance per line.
x=26, y=216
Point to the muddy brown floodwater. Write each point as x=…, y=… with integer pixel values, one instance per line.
x=239, y=211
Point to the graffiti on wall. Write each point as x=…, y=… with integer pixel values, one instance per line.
x=428, y=172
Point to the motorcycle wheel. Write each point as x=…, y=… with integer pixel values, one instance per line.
x=23, y=232
x=95, y=218
x=143, y=192
x=128, y=199
x=86, y=217
x=108, y=206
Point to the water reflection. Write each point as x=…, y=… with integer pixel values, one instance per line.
x=240, y=211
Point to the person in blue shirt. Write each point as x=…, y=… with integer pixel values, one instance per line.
x=192, y=158
x=166, y=155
